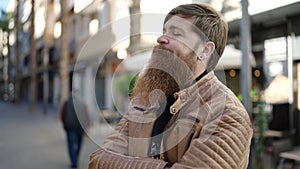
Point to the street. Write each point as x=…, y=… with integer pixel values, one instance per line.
x=33, y=140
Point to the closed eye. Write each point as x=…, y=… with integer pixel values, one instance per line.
x=177, y=34
x=173, y=31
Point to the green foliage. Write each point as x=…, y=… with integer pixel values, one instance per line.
x=259, y=117
x=261, y=121
x=132, y=83
x=4, y=20
x=125, y=84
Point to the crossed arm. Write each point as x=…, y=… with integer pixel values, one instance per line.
x=227, y=147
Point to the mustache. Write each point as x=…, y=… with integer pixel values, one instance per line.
x=162, y=48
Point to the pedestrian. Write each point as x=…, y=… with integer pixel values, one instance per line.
x=180, y=114
x=75, y=118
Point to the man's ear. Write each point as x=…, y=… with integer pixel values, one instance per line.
x=208, y=49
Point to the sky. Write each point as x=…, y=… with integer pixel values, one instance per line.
x=3, y=4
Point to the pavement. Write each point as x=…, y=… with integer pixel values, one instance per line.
x=34, y=140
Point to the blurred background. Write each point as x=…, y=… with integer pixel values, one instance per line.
x=40, y=45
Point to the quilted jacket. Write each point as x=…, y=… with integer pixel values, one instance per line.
x=209, y=129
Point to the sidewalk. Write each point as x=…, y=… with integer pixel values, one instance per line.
x=33, y=140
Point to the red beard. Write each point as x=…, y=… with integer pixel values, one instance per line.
x=165, y=72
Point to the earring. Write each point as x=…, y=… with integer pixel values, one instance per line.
x=200, y=57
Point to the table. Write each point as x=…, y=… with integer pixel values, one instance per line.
x=290, y=155
x=273, y=133
x=270, y=134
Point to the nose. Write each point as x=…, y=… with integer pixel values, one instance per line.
x=163, y=39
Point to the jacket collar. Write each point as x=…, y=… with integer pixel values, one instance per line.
x=185, y=95
x=181, y=97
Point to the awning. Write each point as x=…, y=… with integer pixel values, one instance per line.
x=232, y=59
x=278, y=90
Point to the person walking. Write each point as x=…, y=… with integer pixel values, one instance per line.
x=75, y=118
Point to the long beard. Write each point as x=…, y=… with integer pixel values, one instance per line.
x=164, y=75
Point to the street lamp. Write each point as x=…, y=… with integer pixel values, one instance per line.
x=122, y=54
x=57, y=30
x=93, y=26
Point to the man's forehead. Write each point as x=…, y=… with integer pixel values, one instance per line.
x=183, y=23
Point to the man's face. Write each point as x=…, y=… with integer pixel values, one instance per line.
x=173, y=63
x=180, y=38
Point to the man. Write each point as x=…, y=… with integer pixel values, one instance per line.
x=181, y=115
x=73, y=111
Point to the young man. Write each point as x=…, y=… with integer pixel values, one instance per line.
x=73, y=111
x=181, y=115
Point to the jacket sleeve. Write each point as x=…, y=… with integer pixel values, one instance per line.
x=114, y=153
x=104, y=159
x=62, y=113
x=225, y=146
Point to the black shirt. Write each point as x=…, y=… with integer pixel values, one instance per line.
x=160, y=124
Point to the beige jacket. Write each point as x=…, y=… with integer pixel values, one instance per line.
x=209, y=129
